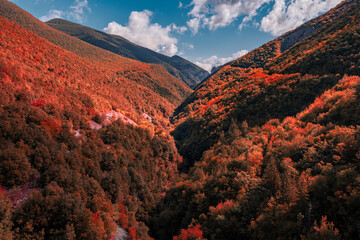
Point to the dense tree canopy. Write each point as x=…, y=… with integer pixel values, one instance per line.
x=269, y=146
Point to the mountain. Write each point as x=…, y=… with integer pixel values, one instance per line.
x=152, y=76
x=270, y=144
x=84, y=146
x=177, y=66
x=260, y=56
x=80, y=156
x=267, y=151
x=255, y=73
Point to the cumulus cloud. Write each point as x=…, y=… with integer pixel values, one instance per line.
x=187, y=46
x=194, y=25
x=283, y=18
x=283, y=15
x=214, y=61
x=214, y=14
x=53, y=13
x=178, y=29
x=76, y=12
x=141, y=31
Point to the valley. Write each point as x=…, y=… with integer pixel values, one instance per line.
x=101, y=138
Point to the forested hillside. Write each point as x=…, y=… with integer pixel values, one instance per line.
x=179, y=67
x=271, y=148
x=262, y=55
x=84, y=150
x=152, y=76
x=281, y=88
x=98, y=146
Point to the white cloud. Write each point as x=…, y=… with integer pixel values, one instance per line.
x=151, y=35
x=194, y=25
x=284, y=17
x=188, y=46
x=76, y=12
x=178, y=29
x=213, y=14
x=214, y=61
x=53, y=13
x=228, y=12
x=180, y=5
x=246, y=20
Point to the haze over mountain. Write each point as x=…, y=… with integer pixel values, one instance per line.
x=179, y=67
x=265, y=148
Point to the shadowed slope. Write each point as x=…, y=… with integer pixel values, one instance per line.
x=246, y=92
x=271, y=146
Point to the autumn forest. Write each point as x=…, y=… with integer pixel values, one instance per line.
x=97, y=145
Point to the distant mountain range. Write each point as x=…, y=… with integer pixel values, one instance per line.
x=177, y=66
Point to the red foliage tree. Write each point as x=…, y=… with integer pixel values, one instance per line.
x=38, y=103
x=123, y=218
x=132, y=233
x=194, y=233
x=53, y=126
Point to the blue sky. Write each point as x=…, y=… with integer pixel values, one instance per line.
x=207, y=32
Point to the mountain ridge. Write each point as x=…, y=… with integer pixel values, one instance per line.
x=83, y=148
x=268, y=63
x=152, y=76
x=175, y=65
x=270, y=144
x=270, y=150
x=282, y=43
